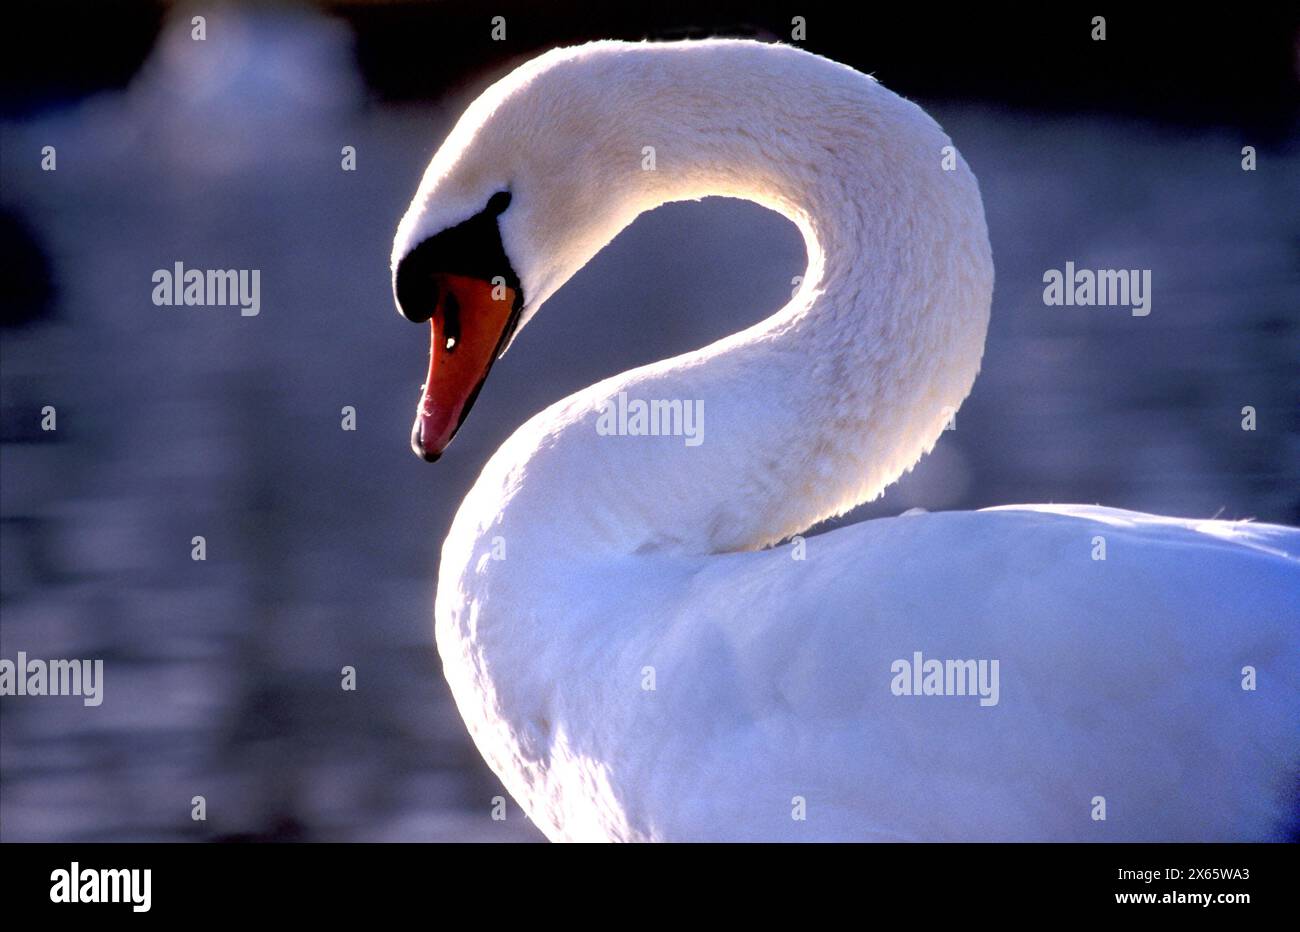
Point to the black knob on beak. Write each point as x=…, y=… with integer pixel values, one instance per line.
x=471, y=248
x=416, y=289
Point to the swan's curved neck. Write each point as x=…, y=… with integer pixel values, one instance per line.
x=825, y=403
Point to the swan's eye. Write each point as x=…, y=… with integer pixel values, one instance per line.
x=497, y=203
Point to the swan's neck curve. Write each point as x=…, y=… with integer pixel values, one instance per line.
x=541, y=604
x=813, y=410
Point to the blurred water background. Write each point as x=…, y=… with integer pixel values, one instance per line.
x=223, y=676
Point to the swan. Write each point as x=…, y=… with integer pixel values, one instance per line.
x=630, y=636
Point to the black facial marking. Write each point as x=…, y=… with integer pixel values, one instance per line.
x=472, y=248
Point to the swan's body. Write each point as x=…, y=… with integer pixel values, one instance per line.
x=634, y=665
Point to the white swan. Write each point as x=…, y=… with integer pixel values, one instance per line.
x=628, y=657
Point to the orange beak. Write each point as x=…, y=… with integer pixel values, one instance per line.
x=467, y=329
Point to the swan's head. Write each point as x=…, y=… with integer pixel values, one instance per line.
x=532, y=182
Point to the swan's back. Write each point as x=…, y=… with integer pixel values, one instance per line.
x=1119, y=678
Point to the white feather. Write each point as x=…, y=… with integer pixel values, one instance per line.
x=628, y=558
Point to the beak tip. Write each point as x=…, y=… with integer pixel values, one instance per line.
x=418, y=448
